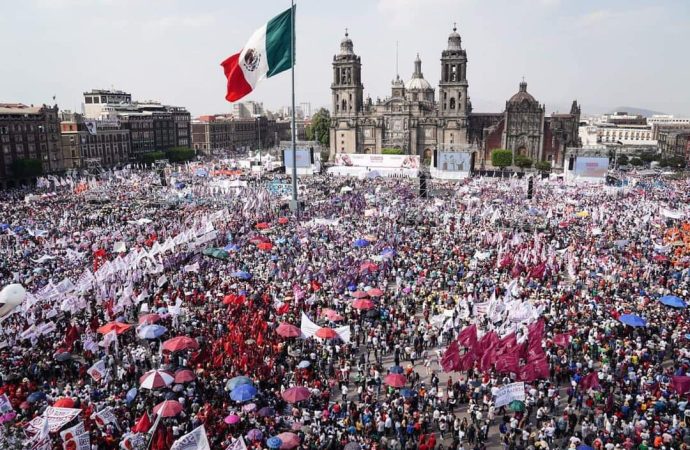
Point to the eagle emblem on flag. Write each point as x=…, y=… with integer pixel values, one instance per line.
x=251, y=59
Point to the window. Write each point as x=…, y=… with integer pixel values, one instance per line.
x=95, y=100
x=87, y=99
x=103, y=99
x=452, y=103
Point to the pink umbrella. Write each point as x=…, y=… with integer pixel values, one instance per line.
x=362, y=303
x=296, y=394
x=289, y=440
x=156, y=379
x=331, y=315
x=184, y=376
x=287, y=330
x=326, y=333
x=360, y=294
x=375, y=292
x=232, y=419
x=395, y=380
x=168, y=408
x=368, y=266
x=148, y=319
x=179, y=343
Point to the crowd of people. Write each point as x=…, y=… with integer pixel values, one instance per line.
x=371, y=319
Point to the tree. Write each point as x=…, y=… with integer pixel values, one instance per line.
x=392, y=151
x=523, y=162
x=320, y=128
x=151, y=157
x=180, y=154
x=27, y=167
x=501, y=158
x=676, y=162
x=623, y=160
x=543, y=166
x=637, y=162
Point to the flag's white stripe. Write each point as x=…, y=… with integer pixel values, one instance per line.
x=256, y=42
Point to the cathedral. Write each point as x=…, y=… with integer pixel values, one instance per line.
x=413, y=120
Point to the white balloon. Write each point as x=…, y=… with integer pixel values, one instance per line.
x=11, y=296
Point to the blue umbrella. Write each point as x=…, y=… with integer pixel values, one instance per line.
x=4, y=226
x=131, y=395
x=231, y=248
x=673, y=301
x=162, y=310
x=179, y=185
x=584, y=447
x=274, y=442
x=303, y=364
x=407, y=393
x=359, y=243
x=388, y=252
x=238, y=381
x=243, y=393
x=632, y=320
x=36, y=396
x=151, y=331
x=242, y=275
x=396, y=369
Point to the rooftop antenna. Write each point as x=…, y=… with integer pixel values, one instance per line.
x=397, y=74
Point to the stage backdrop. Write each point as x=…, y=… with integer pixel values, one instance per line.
x=591, y=167
x=454, y=161
x=383, y=161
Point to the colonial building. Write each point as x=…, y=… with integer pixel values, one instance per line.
x=415, y=121
x=106, y=142
x=29, y=135
x=219, y=132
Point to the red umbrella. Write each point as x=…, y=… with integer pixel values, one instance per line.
x=265, y=246
x=660, y=258
x=263, y=225
x=119, y=328
x=368, y=266
x=362, y=303
x=283, y=220
x=64, y=402
x=296, y=394
x=184, y=376
x=232, y=299
x=148, y=319
x=180, y=343
x=288, y=330
x=395, y=380
x=168, y=408
x=331, y=315
x=155, y=379
x=289, y=440
x=360, y=294
x=326, y=333
x=375, y=292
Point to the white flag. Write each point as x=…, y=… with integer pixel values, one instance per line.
x=195, y=440
x=237, y=445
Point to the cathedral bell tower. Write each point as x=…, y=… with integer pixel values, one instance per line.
x=347, y=89
x=452, y=89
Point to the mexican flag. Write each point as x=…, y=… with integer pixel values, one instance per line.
x=267, y=52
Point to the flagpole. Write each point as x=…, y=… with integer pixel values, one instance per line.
x=294, y=205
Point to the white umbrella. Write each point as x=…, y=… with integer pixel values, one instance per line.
x=155, y=379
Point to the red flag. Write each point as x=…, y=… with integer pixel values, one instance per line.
x=143, y=425
x=468, y=336
x=527, y=373
x=562, y=340
x=535, y=330
x=507, y=344
x=315, y=286
x=487, y=341
x=507, y=364
x=680, y=384
x=590, y=380
x=451, y=358
x=488, y=358
x=467, y=360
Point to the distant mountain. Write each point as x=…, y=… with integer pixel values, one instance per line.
x=635, y=111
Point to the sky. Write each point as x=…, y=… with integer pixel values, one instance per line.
x=604, y=53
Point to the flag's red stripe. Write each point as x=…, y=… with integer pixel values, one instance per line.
x=237, y=85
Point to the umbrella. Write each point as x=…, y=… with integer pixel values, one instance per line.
x=238, y=381
x=368, y=266
x=243, y=393
x=584, y=447
x=242, y=275
x=375, y=292
x=217, y=253
x=179, y=343
x=331, y=315
x=151, y=331
x=517, y=406
x=388, y=253
x=265, y=246
x=407, y=393
x=373, y=314
x=326, y=333
x=361, y=303
x=395, y=380
x=283, y=220
x=262, y=225
x=352, y=446
x=249, y=407
x=266, y=411
x=155, y=379
x=359, y=243
x=296, y=394
x=255, y=435
x=359, y=294
x=118, y=327
x=184, y=376
x=673, y=301
x=63, y=356
x=168, y=408
x=148, y=319
x=288, y=330
x=396, y=369
x=274, y=442
x=131, y=395
x=232, y=419
x=304, y=364
x=36, y=396
x=64, y=402
x=289, y=440
x=632, y=320
x=231, y=248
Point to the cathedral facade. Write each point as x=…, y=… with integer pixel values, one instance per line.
x=413, y=120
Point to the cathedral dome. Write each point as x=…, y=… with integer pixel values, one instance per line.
x=454, y=40
x=521, y=96
x=346, y=47
x=417, y=82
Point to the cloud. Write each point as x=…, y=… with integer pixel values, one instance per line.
x=404, y=13
x=177, y=22
x=595, y=18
